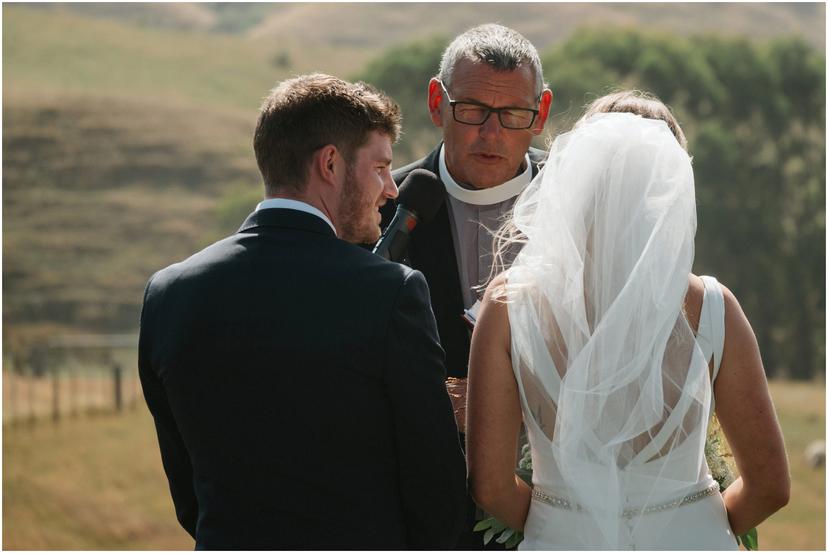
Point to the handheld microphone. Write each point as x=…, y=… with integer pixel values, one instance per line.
x=421, y=194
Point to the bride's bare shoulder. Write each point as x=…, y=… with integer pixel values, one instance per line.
x=693, y=301
x=493, y=318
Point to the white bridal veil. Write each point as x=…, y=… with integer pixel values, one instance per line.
x=609, y=369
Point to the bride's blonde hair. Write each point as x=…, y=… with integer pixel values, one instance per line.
x=508, y=237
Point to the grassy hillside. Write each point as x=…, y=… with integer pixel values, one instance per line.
x=59, y=50
x=127, y=127
x=100, y=192
x=173, y=50
x=340, y=37
x=120, y=144
x=102, y=486
x=167, y=15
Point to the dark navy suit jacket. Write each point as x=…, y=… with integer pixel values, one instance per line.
x=297, y=387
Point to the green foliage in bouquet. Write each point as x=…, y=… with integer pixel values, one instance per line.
x=722, y=468
x=509, y=537
x=719, y=461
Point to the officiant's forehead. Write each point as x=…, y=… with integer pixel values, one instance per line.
x=478, y=81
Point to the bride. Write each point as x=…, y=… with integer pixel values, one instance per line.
x=614, y=355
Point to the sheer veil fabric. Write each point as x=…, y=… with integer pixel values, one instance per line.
x=613, y=384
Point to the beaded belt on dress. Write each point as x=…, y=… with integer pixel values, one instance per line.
x=562, y=503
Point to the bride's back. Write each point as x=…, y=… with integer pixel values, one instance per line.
x=597, y=319
x=615, y=391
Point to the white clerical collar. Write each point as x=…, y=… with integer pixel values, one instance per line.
x=484, y=196
x=286, y=203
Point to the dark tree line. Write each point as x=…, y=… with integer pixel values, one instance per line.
x=754, y=116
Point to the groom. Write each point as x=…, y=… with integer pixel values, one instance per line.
x=295, y=379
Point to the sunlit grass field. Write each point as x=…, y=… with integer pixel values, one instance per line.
x=92, y=482
x=800, y=525
x=97, y=482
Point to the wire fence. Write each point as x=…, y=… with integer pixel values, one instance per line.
x=70, y=376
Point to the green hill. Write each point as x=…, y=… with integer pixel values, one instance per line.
x=120, y=143
x=127, y=127
x=60, y=51
x=99, y=193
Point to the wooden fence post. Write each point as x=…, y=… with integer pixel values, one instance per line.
x=31, y=395
x=73, y=391
x=55, y=394
x=136, y=389
x=12, y=387
x=117, y=377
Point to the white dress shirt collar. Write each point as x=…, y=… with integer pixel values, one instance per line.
x=286, y=203
x=484, y=196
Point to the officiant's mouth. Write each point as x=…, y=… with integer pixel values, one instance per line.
x=488, y=159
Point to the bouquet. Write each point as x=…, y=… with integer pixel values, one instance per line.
x=719, y=461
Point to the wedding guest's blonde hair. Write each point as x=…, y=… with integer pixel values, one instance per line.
x=637, y=102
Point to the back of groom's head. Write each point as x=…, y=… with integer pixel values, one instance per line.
x=306, y=113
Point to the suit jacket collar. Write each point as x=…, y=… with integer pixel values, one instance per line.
x=286, y=218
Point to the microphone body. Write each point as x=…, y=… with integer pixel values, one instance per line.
x=394, y=240
x=421, y=195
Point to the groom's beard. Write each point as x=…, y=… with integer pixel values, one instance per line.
x=358, y=212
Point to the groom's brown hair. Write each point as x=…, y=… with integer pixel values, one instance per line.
x=309, y=112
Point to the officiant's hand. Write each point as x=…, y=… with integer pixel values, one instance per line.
x=456, y=388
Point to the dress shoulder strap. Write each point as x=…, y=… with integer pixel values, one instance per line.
x=711, y=323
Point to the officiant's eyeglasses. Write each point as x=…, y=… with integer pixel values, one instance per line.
x=476, y=113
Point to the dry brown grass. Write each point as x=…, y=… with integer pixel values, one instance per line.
x=87, y=483
x=97, y=482
x=801, y=524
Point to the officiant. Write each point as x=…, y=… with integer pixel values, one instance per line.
x=490, y=100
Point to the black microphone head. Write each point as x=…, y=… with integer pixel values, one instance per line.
x=421, y=192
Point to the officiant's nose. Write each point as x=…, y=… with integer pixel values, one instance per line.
x=491, y=129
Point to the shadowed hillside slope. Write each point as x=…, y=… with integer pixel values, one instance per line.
x=98, y=194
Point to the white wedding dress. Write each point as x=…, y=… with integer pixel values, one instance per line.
x=615, y=389
x=699, y=523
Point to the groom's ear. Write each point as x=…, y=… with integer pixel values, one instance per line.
x=326, y=163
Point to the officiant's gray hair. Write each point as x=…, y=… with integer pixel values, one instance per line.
x=500, y=47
